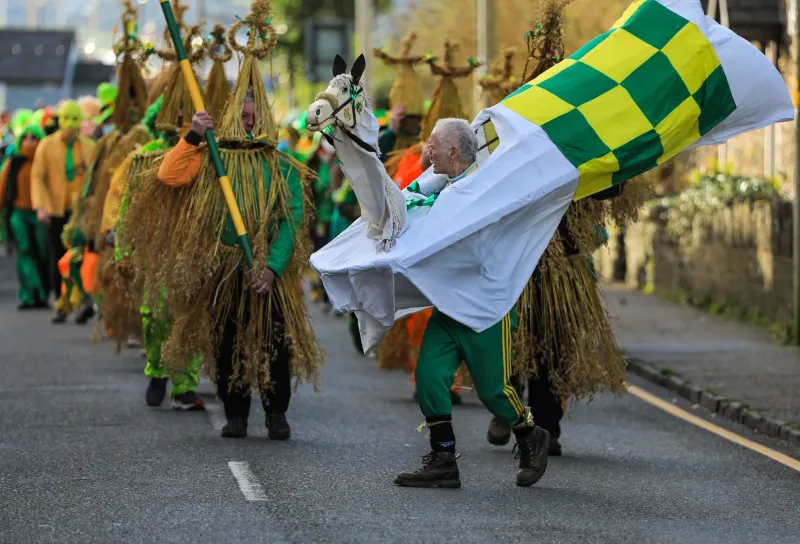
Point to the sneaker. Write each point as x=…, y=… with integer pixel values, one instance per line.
x=187, y=402
x=532, y=454
x=554, y=450
x=156, y=391
x=499, y=433
x=86, y=312
x=60, y=317
x=41, y=305
x=236, y=427
x=277, y=426
x=439, y=469
x=25, y=306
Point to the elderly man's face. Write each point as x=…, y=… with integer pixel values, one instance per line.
x=249, y=115
x=443, y=157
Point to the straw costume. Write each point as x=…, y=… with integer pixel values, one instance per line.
x=406, y=91
x=501, y=80
x=143, y=213
x=245, y=339
x=27, y=235
x=125, y=135
x=565, y=342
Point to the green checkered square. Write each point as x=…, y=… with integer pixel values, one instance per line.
x=654, y=24
x=638, y=156
x=650, y=80
x=715, y=100
x=578, y=84
x=576, y=138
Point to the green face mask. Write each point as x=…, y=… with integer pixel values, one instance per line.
x=70, y=116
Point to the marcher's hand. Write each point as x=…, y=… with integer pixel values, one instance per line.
x=43, y=216
x=201, y=122
x=396, y=117
x=262, y=284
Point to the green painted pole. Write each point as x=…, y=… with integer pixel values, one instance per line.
x=197, y=100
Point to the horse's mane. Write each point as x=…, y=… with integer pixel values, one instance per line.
x=343, y=81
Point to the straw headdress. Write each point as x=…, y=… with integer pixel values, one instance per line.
x=406, y=89
x=178, y=109
x=131, y=101
x=217, y=89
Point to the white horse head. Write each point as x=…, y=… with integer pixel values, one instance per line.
x=343, y=102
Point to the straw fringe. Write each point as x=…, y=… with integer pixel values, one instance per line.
x=200, y=274
x=120, y=308
x=394, y=350
x=115, y=151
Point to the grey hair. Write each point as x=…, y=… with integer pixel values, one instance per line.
x=457, y=133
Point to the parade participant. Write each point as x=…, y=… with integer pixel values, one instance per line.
x=320, y=163
x=453, y=148
x=90, y=107
x=259, y=321
x=446, y=103
x=60, y=168
x=500, y=81
x=565, y=345
x=406, y=101
x=139, y=213
x=125, y=134
x=27, y=235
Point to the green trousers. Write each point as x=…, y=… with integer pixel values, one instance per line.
x=156, y=330
x=30, y=239
x=445, y=344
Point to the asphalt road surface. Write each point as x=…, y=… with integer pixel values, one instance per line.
x=82, y=459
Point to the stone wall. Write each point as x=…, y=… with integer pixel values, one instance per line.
x=740, y=256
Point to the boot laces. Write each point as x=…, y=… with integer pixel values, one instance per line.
x=523, y=450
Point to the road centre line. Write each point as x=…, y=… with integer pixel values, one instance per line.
x=248, y=483
x=710, y=427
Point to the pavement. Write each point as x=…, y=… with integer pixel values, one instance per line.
x=737, y=361
x=84, y=460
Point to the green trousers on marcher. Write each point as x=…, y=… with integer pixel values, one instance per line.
x=156, y=330
x=30, y=239
x=445, y=344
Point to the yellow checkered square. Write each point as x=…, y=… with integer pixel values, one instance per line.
x=538, y=105
x=680, y=129
x=692, y=55
x=615, y=117
x=620, y=44
x=596, y=175
x=633, y=8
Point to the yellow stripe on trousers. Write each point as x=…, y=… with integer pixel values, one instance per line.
x=509, y=391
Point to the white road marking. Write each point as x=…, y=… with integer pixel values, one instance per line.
x=248, y=483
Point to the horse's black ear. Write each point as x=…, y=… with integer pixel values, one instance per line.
x=358, y=69
x=339, y=66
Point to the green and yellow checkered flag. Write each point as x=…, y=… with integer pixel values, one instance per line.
x=631, y=98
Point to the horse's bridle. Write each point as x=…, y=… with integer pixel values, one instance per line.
x=334, y=102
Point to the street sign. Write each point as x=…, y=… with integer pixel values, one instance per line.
x=324, y=39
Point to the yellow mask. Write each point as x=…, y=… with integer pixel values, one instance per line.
x=70, y=116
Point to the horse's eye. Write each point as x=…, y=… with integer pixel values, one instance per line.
x=318, y=111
